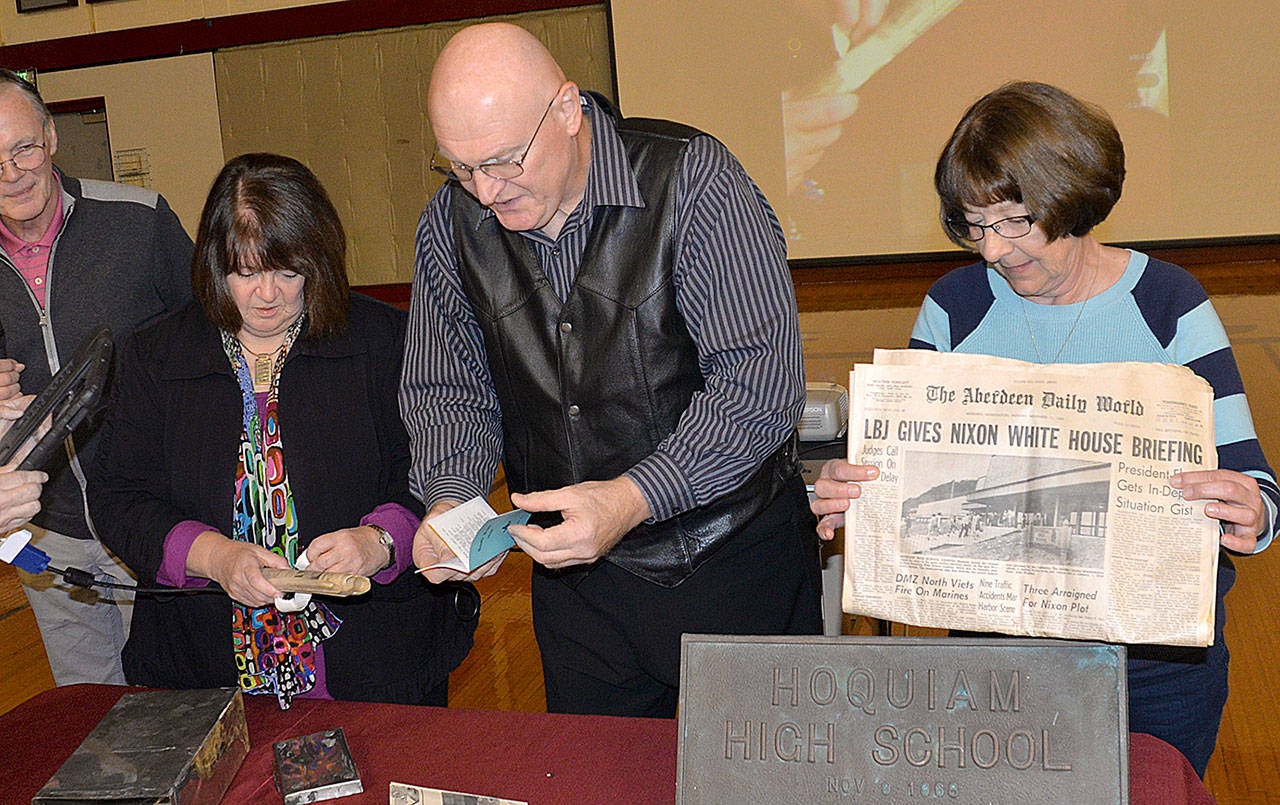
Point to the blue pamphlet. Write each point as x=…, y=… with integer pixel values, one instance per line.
x=493, y=538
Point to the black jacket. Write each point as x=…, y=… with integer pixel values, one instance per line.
x=168, y=454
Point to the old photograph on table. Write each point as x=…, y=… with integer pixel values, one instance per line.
x=1021, y=498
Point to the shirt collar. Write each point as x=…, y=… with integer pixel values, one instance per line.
x=13, y=244
x=610, y=180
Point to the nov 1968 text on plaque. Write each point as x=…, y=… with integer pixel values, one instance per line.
x=887, y=720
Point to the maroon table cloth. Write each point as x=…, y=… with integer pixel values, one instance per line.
x=536, y=757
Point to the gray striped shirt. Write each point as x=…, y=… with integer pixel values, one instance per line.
x=733, y=289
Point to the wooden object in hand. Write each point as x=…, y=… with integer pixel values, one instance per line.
x=313, y=581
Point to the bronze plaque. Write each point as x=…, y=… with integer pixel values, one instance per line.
x=887, y=720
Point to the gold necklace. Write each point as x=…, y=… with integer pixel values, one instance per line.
x=1071, y=332
x=264, y=362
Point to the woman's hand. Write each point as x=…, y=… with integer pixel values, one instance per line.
x=837, y=484
x=348, y=550
x=1235, y=500
x=236, y=566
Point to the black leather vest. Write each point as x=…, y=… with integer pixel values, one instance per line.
x=590, y=387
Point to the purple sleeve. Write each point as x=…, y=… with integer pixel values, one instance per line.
x=401, y=524
x=177, y=544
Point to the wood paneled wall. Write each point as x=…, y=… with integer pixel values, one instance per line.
x=353, y=107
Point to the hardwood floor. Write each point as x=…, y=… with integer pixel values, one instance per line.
x=503, y=670
x=1246, y=766
x=24, y=669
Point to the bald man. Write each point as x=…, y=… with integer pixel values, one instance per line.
x=605, y=304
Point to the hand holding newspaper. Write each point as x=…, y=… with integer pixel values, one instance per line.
x=1031, y=499
x=474, y=532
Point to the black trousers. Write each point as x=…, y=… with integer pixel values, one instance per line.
x=610, y=641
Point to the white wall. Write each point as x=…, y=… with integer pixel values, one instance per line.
x=168, y=107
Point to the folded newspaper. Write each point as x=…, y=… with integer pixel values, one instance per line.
x=1031, y=499
x=407, y=794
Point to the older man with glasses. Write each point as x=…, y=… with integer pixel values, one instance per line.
x=604, y=304
x=74, y=254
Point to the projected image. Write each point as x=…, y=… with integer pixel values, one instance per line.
x=845, y=161
x=852, y=59
x=838, y=108
x=862, y=41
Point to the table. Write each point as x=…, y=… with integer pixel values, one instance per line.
x=527, y=756
x=536, y=757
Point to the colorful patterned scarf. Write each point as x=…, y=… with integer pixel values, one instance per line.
x=274, y=651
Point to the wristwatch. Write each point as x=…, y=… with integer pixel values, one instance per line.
x=385, y=539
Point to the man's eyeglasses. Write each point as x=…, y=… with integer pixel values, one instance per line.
x=1013, y=227
x=498, y=170
x=25, y=158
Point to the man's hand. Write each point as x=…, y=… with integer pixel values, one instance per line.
x=429, y=549
x=348, y=550
x=19, y=491
x=597, y=514
x=236, y=566
x=9, y=371
x=1235, y=501
x=12, y=409
x=19, y=496
x=838, y=484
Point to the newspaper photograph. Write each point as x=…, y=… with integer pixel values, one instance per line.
x=1031, y=499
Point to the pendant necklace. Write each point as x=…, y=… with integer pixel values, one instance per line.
x=1070, y=332
x=264, y=361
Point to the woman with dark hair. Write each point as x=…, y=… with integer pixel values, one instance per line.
x=258, y=427
x=1024, y=179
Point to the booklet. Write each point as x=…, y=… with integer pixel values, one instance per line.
x=475, y=533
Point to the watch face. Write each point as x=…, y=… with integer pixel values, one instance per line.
x=385, y=539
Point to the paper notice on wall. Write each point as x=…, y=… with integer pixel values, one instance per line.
x=132, y=166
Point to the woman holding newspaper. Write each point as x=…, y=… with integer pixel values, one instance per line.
x=1024, y=179
x=258, y=428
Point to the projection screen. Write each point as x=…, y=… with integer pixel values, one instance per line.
x=838, y=108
